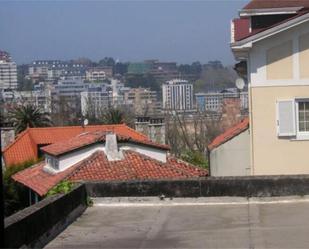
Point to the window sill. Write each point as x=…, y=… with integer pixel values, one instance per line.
x=300, y=138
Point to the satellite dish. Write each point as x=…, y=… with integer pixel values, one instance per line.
x=240, y=83
x=86, y=122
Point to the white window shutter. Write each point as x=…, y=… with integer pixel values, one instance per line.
x=286, y=120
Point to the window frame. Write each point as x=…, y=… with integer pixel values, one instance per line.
x=300, y=135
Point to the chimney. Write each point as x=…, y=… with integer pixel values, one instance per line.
x=111, y=148
x=231, y=114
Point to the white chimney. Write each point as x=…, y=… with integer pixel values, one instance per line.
x=111, y=148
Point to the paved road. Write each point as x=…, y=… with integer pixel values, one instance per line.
x=231, y=223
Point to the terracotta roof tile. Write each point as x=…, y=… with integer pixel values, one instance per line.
x=87, y=138
x=229, y=134
x=134, y=166
x=25, y=147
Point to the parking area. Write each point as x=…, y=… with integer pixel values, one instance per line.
x=190, y=223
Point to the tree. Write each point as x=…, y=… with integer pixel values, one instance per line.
x=113, y=116
x=28, y=116
x=107, y=61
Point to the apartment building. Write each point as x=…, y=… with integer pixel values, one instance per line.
x=272, y=37
x=212, y=101
x=142, y=101
x=96, y=74
x=177, y=94
x=8, y=72
x=52, y=70
x=96, y=99
x=40, y=98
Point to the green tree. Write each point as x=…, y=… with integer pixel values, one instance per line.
x=107, y=61
x=16, y=196
x=195, y=158
x=28, y=116
x=115, y=116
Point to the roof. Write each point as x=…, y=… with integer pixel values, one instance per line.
x=270, y=4
x=229, y=134
x=88, y=138
x=242, y=36
x=96, y=167
x=25, y=147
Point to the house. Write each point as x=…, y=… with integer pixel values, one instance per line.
x=272, y=37
x=229, y=153
x=27, y=145
x=103, y=156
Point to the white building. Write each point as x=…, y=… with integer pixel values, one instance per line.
x=8, y=72
x=99, y=73
x=95, y=102
x=177, y=95
x=229, y=153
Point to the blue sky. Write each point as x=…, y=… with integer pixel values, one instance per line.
x=181, y=31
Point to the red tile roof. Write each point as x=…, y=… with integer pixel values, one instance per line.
x=229, y=134
x=88, y=138
x=270, y=4
x=25, y=147
x=134, y=166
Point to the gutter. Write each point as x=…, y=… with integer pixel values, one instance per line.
x=269, y=11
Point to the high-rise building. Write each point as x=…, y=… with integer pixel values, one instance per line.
x=177, y=95
x=8, y=72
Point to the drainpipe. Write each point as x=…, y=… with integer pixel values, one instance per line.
x=2, y=243
x=208, y=159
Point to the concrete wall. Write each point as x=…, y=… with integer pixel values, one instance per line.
x=278, y=70
x=246, y=186
x=232, y=158
x=38, y=224
x=273, y=154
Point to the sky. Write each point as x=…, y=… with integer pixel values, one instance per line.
x=171, y=30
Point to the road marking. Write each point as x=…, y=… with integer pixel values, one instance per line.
x=173, y=204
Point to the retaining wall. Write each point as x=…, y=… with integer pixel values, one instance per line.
x=35, y=226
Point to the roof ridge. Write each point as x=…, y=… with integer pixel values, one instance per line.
x=73, y=126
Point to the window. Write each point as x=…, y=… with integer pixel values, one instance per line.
x=303, y=116
x=293, y=118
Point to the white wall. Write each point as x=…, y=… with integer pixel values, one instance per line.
x=154, y=153
x=74, y=157
x=232, y=158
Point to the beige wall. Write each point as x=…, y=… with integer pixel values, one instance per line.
x=280, y=61
x=304, y=56
x=232, y=158
x=273, y=155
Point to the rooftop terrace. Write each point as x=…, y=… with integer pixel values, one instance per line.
x=190, y=223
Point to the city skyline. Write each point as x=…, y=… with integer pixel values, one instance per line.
x=178, y=31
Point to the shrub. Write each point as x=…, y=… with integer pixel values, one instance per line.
x=61, y=188
x=195, y=158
